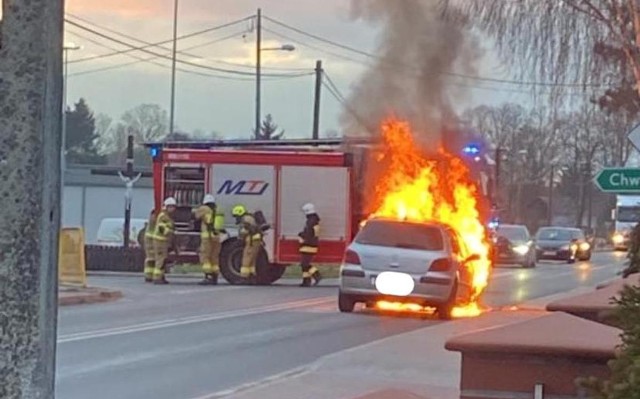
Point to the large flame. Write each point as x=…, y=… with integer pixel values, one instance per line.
x=417, y=187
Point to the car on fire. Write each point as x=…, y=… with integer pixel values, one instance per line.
x=562, y=243
x=406, y=262
x=512, y=244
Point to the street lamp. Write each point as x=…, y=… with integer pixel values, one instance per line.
x=63, y=148
x=259, y=50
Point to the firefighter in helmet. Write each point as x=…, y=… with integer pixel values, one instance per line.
x=251, y=235
x=149, y=251
x=309, y=238
x=209, y=240
x=163, y=237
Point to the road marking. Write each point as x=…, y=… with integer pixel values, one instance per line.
x=296, y=372
x=561, y=268
x=190, y=320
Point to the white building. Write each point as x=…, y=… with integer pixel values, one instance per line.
x=90, y=195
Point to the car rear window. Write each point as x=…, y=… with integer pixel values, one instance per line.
x=401, y=235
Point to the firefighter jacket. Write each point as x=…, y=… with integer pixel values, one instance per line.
x=206, y=215
x=150, y=230
x=309, y=237
x=249, y=229
x=165, y=226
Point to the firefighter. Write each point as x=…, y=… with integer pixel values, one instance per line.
x=251, y=235
x=149, y=251
x=163, y=236
x=309, y=238
x=209, y=240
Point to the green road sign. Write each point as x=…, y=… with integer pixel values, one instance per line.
x=618, y=180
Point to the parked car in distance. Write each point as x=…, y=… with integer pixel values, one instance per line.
x=562, y=243
x=406, y=262
x=111, y=232
x=514, y=245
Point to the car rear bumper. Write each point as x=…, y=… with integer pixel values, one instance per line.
x=510, y=258
x=430, y=290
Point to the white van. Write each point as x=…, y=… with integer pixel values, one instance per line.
x=111, y=232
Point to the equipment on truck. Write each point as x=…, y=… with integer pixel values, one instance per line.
x=269, y=179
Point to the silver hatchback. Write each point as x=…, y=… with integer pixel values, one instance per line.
x=407, y=262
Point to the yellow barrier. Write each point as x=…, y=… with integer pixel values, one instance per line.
x=71, y=262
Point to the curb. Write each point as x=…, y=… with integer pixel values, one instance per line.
x=83, y=298
x=104, y=273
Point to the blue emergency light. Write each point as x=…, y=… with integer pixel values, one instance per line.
x=471, y=149
x=154, y=151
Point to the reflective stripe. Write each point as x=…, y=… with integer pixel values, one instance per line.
x=306, y=274
x=313, y=271
x=308, y=250
x=257, y=236
x=207, y=268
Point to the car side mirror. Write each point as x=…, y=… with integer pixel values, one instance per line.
x=472, y=258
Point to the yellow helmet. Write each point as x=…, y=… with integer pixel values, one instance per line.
x=239, y=210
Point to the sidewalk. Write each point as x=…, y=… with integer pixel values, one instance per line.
x=413, y=365
x=69, y=295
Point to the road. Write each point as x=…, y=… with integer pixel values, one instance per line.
x=186, y=341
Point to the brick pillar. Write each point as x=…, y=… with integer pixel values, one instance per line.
x=30, y=123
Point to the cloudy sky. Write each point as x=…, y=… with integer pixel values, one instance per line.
x=209, y=99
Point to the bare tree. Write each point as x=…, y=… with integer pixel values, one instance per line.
x=556, y=41
x=147, y=122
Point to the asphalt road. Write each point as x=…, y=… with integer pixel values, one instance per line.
x=186, y=341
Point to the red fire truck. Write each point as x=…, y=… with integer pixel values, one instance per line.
x=276, y=179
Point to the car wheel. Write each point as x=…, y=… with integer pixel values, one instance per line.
x=444, y=311
x=345, y=303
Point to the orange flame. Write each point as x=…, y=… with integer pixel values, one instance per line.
x=435, y=188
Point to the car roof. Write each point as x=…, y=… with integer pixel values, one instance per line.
x=560, y=228
x=522, y=226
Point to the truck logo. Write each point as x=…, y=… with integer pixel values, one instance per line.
x=243, y=187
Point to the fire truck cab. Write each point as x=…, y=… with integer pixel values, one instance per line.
x=276, y=179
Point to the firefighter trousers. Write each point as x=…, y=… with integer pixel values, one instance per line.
x=305, y=264
x=249, y=257
x=161, y=249
x=149, y=258
x=209, y=254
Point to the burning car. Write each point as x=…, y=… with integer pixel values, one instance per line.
x=408, y=262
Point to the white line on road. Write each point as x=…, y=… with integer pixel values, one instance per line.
x=191, y=320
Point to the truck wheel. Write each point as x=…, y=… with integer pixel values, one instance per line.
x=231, y=262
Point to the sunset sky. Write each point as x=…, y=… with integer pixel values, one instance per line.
x=206, y=99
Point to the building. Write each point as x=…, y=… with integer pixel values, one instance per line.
x=92, y=193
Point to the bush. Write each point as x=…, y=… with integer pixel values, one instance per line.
x=625, y=368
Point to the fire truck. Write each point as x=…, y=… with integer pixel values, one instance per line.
x=276, y=178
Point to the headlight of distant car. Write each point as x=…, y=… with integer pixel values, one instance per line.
x=521, y=249
x=618, y=238
x=584, y=246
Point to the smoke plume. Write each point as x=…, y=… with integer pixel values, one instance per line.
x=410, y=76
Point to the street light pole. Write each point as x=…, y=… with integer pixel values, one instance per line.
x=173, y=67
x=550, y=213
x=258, y=67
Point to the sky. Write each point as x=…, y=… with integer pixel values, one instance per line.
x=210, y=100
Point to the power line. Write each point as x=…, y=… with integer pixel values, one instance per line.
x=183, y=51
x=150, y=61
x=146, y=44
x=229, y=71
x=458, y=75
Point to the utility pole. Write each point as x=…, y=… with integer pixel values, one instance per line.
x=550, y=211
x=316, y=102
x=129, y=180
x=30, y=164
x=173, y=68
x=496, y=189
x=258, y=66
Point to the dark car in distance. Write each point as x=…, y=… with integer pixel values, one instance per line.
x=562, y=243
x=512, y=244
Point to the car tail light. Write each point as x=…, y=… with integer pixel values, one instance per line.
x=351, y=257
x=440, y=265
